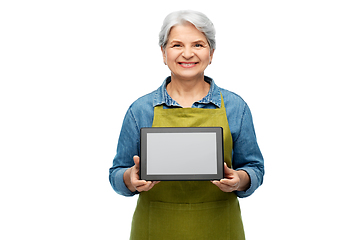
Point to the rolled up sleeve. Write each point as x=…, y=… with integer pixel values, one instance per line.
x=127, y=148
x=247, y=155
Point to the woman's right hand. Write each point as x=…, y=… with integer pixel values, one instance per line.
x=132, y=179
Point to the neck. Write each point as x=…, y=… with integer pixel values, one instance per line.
x=188, y=91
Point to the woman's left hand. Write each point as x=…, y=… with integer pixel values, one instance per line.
x=233, y=181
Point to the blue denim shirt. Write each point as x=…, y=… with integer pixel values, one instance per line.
x=246, y=153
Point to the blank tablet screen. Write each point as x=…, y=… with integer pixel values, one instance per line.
x=181, y=154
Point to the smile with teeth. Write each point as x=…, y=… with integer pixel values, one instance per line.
x=187, y=64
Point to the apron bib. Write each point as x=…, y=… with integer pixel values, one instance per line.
x=183, y=210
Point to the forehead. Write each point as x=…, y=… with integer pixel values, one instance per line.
x=186, y=32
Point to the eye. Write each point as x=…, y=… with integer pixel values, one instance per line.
x=199, y=45
x=176, y=45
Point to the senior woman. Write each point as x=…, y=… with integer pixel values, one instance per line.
x=189, y=209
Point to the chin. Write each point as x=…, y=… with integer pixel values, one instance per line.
x=188, y=76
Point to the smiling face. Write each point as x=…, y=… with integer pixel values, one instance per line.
x=187, y=53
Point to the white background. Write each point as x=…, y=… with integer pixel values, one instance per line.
x=69, y=70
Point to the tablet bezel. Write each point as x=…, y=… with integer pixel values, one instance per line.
x=181, y=177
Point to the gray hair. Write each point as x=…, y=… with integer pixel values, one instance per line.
x=198, y=19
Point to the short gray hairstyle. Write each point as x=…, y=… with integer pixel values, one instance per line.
x=198, y=19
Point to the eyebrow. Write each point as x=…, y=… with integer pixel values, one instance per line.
x=199, y=41
x=175, y=41
x=196, y=41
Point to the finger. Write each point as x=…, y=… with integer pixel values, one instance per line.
x=215, y=182
x=135, y=178
x=219, y=185
x=146, y=187
x=140, y=185
x=134, y=173
x=223, y=187
x=229, y=182
x=153, y=184
x=136, y=161
x=227, y=170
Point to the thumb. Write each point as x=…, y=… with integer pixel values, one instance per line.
x=136, y=161
x=226, y=169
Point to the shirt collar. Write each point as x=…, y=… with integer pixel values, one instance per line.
x=162, y=96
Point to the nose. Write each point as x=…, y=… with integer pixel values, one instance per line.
x=188, y=53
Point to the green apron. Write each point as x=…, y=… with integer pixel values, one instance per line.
x=185, y=210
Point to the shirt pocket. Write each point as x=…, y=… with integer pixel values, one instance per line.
x=198, y=221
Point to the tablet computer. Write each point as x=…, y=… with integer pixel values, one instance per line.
x=181, y=153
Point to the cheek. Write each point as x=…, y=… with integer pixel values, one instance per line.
x=171, y=56
x=204, y=54
x=206, y=57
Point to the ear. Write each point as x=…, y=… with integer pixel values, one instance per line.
x=164, y=54
x=211, y=55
